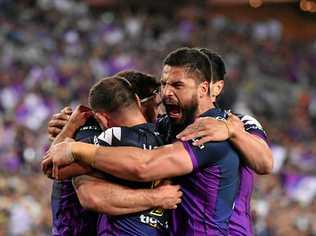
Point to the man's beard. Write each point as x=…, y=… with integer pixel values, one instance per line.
x=188, y=116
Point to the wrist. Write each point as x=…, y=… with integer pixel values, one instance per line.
x=235, y=128
x=83, y=152
x=70, y=152
x=154, y=198
x=230, y=129
x=70, y=129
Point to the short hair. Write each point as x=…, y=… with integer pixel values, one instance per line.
x=217, y=63
x=144, y=85
x=193, y=59
x=111, y=94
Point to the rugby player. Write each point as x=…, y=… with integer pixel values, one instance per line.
x=115, y=106
x=211, y=172
x=256, y=153
x=68, y=216
x=255, y=139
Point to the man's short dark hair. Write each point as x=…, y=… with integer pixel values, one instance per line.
x=144, y=85
x=217, y=63
x=193, y=59
x=111, y=94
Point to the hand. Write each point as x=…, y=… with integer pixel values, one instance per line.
x=79, y=117
x=235, y=125
x=57, y=156
x=210, y=129
x=168, y=196
x=58, y=121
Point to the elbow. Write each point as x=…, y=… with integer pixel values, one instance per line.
x=142, y=173
x=112, y=211
x=265, y=170
x=267, y=167
x=92, y=202
x=86, y=199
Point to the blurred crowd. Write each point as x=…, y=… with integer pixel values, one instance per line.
x=52, y=51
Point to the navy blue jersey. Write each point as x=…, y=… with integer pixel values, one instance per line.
x=150, y=222
x=69, y=217
x=210, y=190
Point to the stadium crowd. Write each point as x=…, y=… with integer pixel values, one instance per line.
x=53, y=51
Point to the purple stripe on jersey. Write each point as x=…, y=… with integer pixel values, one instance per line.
x=103, y=227
x=260, y=134
x=70, y=218
x=191, y=154
x=240, y=222
x=196, y=215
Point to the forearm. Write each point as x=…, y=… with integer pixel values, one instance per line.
x=134, y=163
x=68, y=131
x=73, y=170
x=122, y=162
x=254, y=150
x=112, y=199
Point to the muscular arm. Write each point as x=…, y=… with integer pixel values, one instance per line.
x=255, y=151
x=135, y=163
x=105, y=197
x=253, y=148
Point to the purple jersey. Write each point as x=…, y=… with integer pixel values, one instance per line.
x=69, y=217
x=240, y=223
x=210, y=190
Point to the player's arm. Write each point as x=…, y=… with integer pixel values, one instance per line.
x=73, y=170
x=134, y=163
x=105, y=197
x=75, y=121
x=251, y=143
x=129, y=163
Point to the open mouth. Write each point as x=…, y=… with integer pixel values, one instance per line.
x=173, y=110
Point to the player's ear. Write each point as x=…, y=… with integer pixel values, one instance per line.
x=216, y=89
x=103, y=119
x=203, y=89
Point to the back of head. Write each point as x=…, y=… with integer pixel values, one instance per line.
x=191, y=58
x=144, y=85
x=111, y=94
x=217, y=64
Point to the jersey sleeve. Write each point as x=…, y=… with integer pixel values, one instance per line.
x=253, y=126
x=207, y=154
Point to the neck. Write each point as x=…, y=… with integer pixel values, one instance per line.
x=128, y=118
x=204, y=105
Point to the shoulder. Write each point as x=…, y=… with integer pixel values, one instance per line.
x=111, y=135
x=249, y=121
x=89, y=129
x=253, y=126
